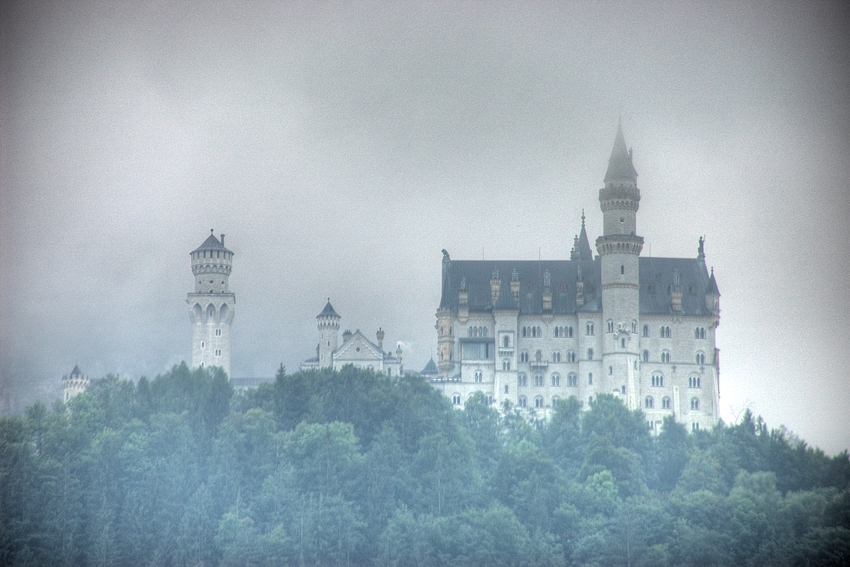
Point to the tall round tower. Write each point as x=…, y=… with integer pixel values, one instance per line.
x=212, y=305
x=619, y=248
x=328, y=322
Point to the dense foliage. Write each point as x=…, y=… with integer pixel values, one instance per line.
x=354, y=468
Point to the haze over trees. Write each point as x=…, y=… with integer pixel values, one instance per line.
x=355, y=468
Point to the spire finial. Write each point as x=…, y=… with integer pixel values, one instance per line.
x=582, y=218
x=211, y=231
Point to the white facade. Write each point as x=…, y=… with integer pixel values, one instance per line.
x=530, y=332
x=74, y=383
x=356, y=349
x=212, y=305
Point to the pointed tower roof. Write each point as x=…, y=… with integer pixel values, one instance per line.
x=76, y=371
x=328, y=311
x=712, y=285
x=620, y=166
x=211, y=243
x=430, y=368
x=583, y=246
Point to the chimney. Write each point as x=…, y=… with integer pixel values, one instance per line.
x=380, y=335
x=222, y=239
x=346, y=336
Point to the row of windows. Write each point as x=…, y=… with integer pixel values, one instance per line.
x=649, y=403
x=664, y=332
x=567, y=331
x=477, y=331
x=532, y=332
x=699, y=358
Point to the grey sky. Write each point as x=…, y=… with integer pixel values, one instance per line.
x=341, y=146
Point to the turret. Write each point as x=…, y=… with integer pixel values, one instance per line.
x=211, y=305
x=74, y=383
x=328, y=323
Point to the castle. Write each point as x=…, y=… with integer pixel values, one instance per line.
x=531, y=332
x=355, y=350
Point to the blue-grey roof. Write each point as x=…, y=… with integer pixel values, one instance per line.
x=620, y=166
x=430, y=368
x=656, y=282
x=328, y=311
x=76, y=371
x=211, y=243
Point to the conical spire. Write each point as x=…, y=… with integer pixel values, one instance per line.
x=583, y=245
x=620, y=168
x=712, y=285
x=328, y=311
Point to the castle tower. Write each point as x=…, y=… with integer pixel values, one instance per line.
x=329, y=331
x=74, y=383
x=212, y=305
x=619, y=248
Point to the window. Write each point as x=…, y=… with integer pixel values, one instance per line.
x=665, y=356
x=202, y=344
x=556, y=356
x=589, y=400
x=664, y=332
x=506, y=341
x=538, y=402
x=657, y=379
x=645, y=331
x=588, y=329
x=489, y=400
x=456, y=399
x=665, y=403
x=563, y=332
x=590, y=354
x=555, y=380
x=555, y=400
x=622, y=269
x=506, y=365
x=609, y=326
x=700, y=358
x=479, y=376
x=478, y=350
x=218, y=352
x=695, y=404
x=648, y=402
x=572, y=380
x=622, y=343
x=507, y=388
x=610, y=370
x=521, y=380
x=590, y=379
x=634, y=326
x=538, y=356
x=699, y=333
x=695, y=426
x=571, y=356
x=538, y=379
x=693, y=381
x=218, y=332
x=522, y=402
x=523, y=356
x=569, y=331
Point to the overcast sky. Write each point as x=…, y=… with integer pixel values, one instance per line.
x=340, y=147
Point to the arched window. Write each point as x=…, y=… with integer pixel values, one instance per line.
x=556, y=356
x=523, y=356
x=693, y=381
x=538, y=356
x=538, y=402
x=456, y=399
x=665, y=356
x=657, y=379
x=589, y=400
x=555, y=400
x=695, y=404
x=646, y=356
x=506, y=365
x=699, y=333
x=506, y=341
x=571, y=356
x=555, y=380
x=700, y=358
x=609, y=326
x=521, y=380
x=538, y=379
x=569, y=331
x=648, y=402
x=665, y=403
x=664, y=332
x=479, y=376
x=623, y=343
x=572, y=380
x=645, y=331
x=590, y=354
x=588, y=329
x=522, y=402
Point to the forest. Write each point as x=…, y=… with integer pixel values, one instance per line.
x=356, y=468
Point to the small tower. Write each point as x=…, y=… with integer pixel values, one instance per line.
x=619, y=248
x=74, y=383
x=212, y=305
x=328, y=322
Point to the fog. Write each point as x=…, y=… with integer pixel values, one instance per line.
x=341, y=146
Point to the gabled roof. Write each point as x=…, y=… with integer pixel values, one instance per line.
x=211, y=243
x=328, y=311
x=348, y=349
x=620, y=166
x=656, y=280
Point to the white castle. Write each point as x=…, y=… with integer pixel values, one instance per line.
x=212, y=305
x=531, y=332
